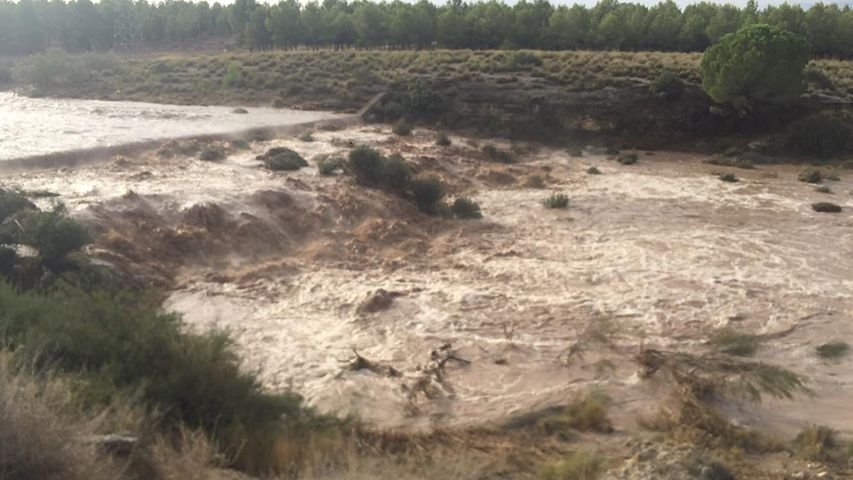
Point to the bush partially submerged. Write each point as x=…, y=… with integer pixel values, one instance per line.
x=442, y=140
x=593, y=171
x=733, y=161
x=52, y=233
x=465, y=208
x=402, y=128
x=810, y=175
x=823, y=189
x=628, y=159
x=728, y=177
x=282, y=158
x=495, y=154
x=832, y=349
x=734, y=343
x=367, y=165
x=821, y=444
x=826, y=207
x=329, y=165
x=427, y=193
x=556, y=200
x=212, y=153
x=306, y=136
x=395, y=173
x=12, y=202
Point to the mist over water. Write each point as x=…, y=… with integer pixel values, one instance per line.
x=36, y=126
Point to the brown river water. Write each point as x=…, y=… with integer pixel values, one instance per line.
x=662, y=252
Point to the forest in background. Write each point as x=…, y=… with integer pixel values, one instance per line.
x=29, y=26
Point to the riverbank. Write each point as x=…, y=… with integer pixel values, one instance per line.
x=558, y=97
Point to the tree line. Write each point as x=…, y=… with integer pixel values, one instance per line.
x=29, y=26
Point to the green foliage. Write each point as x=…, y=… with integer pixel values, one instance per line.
x=306, y=136
x=12, y=202
x=329, y=165
x=628, y=159
x=556, y=200
x=402, y=128
x=728, y=177
x=667, y=86
x=832, y=349
x=427, y=193
x=212, y=153
x=282, y=158
x=759, y=63
x=734, y=343
x=821, y=135
x=587, y=413
x=821, y=444
x=240, y=145
x=116, y=345
x=233, y=76
x=395, y=173
x=826, y=207
x=823, y=189
x=495, y=154
x=423, y=98
x=732, y=161
x=593, y=171
x=577, y=466
x=810, y=175
x=521, y=60
x=367, y=165
x=817, y=78
x=52, y=233
x=465, y=208
x=442, y=140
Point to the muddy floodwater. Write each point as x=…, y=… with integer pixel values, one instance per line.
x=661, y=253
x=37, y=126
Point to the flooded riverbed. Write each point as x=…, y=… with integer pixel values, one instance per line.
x=659, y=254
x=38, y=126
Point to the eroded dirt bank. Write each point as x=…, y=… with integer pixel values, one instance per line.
x=543, y=303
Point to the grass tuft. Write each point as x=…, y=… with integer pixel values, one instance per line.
x=556, y=200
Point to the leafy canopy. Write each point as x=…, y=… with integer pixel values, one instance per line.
x=758, y=63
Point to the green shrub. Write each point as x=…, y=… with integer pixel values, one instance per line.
x=523, y=59
x=12, y=202
x=823, y=189
x=402, y=128
x=465, y=208
x=427, y=193
x=757, y=63
x=306, y=136
x=556, y=200
x=329, y=165
x=733, y=161
x=8, y=257
x=593, y=171
x=826, y=207
x=577, y=466
x=535, y=181
x=832, y=349
x=817, y=78
x=586, y=413
x=366, y=163
x=667, y=86
x=233, y=76
x=821, y=135
x=395, y=173
x=821, y=444
x=392, y=110
x=212, y=153
x=810, y=175
x=728, y=177
x=52, y=233
x=282, y=158
x=240, y=145
x=424, y=98
x=442, y=140
x=496, y=155
x=120, y=346
x=733, y=343
x=628, y=159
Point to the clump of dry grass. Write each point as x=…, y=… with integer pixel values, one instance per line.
x=576, y=466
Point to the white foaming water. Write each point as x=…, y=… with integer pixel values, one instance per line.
x=37, y=126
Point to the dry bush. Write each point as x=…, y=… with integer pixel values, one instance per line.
x=40, y=436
